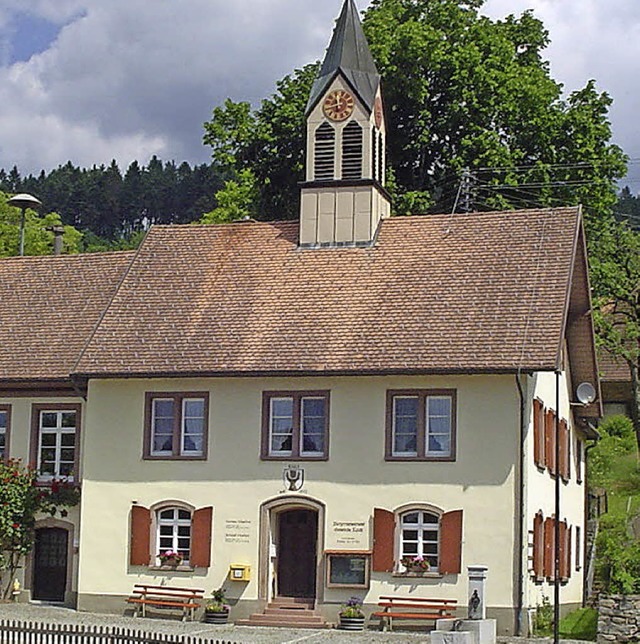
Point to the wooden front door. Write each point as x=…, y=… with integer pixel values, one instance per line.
x=50, y=564
x=298, y=537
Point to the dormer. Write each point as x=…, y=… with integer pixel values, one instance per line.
x=343, y=198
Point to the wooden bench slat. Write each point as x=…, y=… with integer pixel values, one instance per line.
x=163, y=603
x=431, y=609
x=419, y=599
x=410, y=615
x=410, y=605
x=159, y=593
x=177, y=588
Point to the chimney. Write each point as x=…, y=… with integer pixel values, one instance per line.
x=58, y=232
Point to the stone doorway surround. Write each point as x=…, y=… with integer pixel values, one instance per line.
x=268, y=515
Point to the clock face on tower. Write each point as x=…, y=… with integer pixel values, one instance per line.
x=377, y=109
x=338, y=105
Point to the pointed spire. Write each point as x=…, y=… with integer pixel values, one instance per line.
x=348, y=53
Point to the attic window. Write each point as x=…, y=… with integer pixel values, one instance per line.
x=352, y=151
x=324, y=152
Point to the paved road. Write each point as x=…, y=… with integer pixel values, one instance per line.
x=229, y=633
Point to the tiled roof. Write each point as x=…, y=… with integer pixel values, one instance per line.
x=49, y=306
x=612, y=368
x=442, y=293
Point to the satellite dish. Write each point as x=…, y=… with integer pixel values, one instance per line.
x=586, y=393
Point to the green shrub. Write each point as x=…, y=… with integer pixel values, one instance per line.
x=618, y=563
x=618, y=440
x=543, y=618
x=581, y=624
x=620, y=426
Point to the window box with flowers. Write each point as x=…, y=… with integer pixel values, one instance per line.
x=417, y=564
x=170, y=558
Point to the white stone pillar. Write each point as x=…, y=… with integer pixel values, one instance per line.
x=477, y=595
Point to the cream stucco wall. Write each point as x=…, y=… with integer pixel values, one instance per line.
x=540, y=488
x=19, y=448
x=355, y=480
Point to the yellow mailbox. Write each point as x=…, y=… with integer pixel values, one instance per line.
x=239, y=572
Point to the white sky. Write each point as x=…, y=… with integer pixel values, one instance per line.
x=92, y=80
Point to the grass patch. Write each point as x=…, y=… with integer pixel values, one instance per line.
x=581, y=624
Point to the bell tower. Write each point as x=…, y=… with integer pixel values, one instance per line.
x=343, y=198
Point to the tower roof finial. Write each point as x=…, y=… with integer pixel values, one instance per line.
x=348, y=53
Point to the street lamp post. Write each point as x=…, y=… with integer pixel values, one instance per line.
x=24, y=201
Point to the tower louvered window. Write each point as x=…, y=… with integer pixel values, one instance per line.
x=352, y=151
x=374, y=154
x=325, y=141
x=380, y=159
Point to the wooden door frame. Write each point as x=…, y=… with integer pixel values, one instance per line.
x=270, y=509
x=30, y=569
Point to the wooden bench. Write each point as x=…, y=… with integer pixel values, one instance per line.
x=413, y=608
x=188, y=599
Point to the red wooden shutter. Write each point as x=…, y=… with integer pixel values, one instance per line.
x=538, y=433
x=538, y=546
x=201, y=537
x=568, y=552
x=562, y=535
x=550, y=440
x=384, y=526
x=451, y=542
x=140, y=551
x=563, y=437
x=548, y=548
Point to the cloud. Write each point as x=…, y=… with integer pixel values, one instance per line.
x=126, y=79
x=130, y=78
x=591, y=39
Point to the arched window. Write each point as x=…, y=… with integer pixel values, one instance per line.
x=174, y=532
x=417, y=530
x=171, y=525
x=352, y=151
x=419, y=538
x=324, y=163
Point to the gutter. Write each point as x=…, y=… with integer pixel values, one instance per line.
x=520, y=494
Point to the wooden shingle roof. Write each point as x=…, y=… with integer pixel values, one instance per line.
x=482, y=292
x=49, y=307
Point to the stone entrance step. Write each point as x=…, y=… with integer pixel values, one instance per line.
x=287, y=612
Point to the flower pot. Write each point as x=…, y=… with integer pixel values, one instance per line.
x=172, y=562
x=352, y=623
x=217, y=618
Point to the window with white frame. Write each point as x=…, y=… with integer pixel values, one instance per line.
x=174, y=532
x=295, y=425
x=419, y=537
x=176, y=425
x=421, y=425
x=57, y=435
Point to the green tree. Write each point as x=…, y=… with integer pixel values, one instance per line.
x=461, y=91
x=236, y=199
x=38, y=233
x=615, y=268
x=22, y=502
x=269, y=142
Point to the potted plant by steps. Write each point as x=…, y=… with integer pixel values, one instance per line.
x=216, y=611
x=351, y=615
